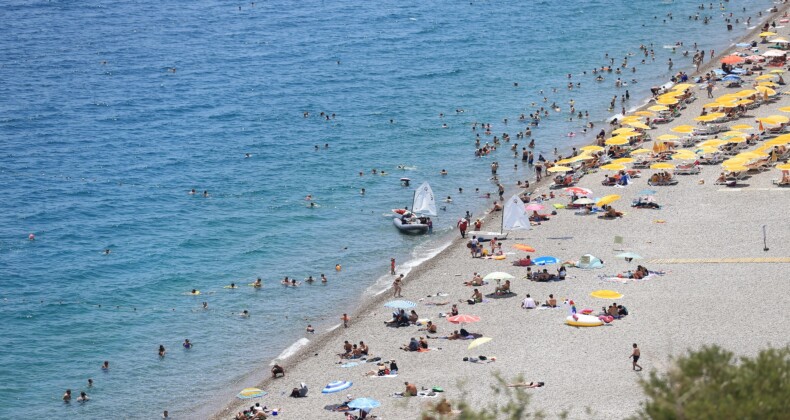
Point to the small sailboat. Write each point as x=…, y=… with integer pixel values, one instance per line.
x=423, y=205
x=514, y=217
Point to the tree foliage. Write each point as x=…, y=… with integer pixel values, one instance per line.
x=712, y=383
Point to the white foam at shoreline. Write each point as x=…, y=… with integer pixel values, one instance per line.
x=291, y=350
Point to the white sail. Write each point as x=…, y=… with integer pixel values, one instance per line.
x=515, y=216
x=424, y=202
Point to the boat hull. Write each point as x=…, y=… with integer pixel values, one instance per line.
x=411, y=228
x=486, y=236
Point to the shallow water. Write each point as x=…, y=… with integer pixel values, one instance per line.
x=99, y=155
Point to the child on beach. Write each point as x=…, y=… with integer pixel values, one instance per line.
x=635, y=356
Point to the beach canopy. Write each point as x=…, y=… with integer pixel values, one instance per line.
x=515, y=216
x=400, y=304
x=588, y=261
x=616, y=141
x=606, y=294
x=336, y=386
x=578, y=191
x=546, y=260
x=524, y=247
x=478, y=341
x=498, y=275
x=365, y=404
x=749, y=127
x=463, y=319
x=248, y=393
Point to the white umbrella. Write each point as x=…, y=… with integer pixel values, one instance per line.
x=498, y=275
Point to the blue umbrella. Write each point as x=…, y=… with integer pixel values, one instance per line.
x=336, y=386
x=646, y=192
x=366, y=404
x=738, y=70
x=546, y=260
x=400, y=304
x=731, y=77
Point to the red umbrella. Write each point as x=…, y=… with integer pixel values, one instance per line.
x=463, y=319
x=578, y=191
x=732, y=59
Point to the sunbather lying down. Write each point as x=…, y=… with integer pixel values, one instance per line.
x=526, y=385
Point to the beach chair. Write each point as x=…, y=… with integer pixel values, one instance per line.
x=688, y=169
x=714, y=159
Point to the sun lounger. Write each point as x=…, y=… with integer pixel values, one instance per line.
x=690, y=169
x=663, y=183
x=779, y=183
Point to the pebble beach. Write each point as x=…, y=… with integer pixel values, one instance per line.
x=721, y=251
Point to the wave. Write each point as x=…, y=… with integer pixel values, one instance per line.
x=291, y=350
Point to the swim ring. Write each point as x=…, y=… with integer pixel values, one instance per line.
x=583, y=321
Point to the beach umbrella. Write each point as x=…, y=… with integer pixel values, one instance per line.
x=682, y=86
x=777, y=71
x=644, y=113
x=583, y=201
x=630, y=118
x=559, y=169
x=498, y=275
x=731, y=78
x=774, y=53
x=640, y=151
x=745, y=93
x=646, y=192
x=478, y=341
x=667, y=137
x=400, y=304
x=623, y=160
x=785, y=109
x=592, y=148
x=639, y=125
x=735, y=168
x=662, y=165
x=765, y=77
x=365, y=404
x=768, y=84
x=732, y=59
x=765, y=90
x=534, y=207
x=780, y=118
x=463, y=319
x=658, y=108
x=783, y=167
x=616, y=141
x=766, y=33
x=546, y=260
x=666, y=101
x=248, y=393
x=336, y=386
x=777, y=142
x=629, y=255
x=606, y=294
x=713, y=142
x=623, y=130
x=524, y=247
x=608, y=199
x=684, y=155
x=565, y=161
x=749, y=127
x=685, y=129
x=613, y=167
x=578, y=190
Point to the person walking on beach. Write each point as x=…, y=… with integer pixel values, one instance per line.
x=392, y=266
x=462, y=225
x=396, y=286
x=635, y=356
x=709, y=88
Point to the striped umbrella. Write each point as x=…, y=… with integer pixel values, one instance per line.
x=248, y=393
x=400, y=304
x=336, y=386
x=366, y=404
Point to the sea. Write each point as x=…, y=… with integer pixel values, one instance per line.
x=112, y=112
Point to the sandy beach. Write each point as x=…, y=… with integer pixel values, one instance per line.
x=731, y=294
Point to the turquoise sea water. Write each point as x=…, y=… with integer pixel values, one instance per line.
x=100, y=142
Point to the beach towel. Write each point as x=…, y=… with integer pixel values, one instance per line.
x=501, y=295
x=427, y=394
x=350, y=364
x=394, y=375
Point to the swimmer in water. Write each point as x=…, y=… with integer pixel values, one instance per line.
x=105, y=365
x=232, y=286
x=67, y=396
x=443, y=172
x=258, y=283
x=83, y=397
x=448, y=199
x=247, y=155
x=162, y=351
x=323, y=278
x=192, y=192
x=106, y=252
x=444, y=125
x=90, y=383
x=309, y=279
x=362, y=191
x=195, y=292
x=205, y=305
x=187, y=345
x=205, y=193
x=245, y=314
x=310, y=329
x=309, y=197
x=312, y=204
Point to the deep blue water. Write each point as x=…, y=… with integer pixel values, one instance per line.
x=100, y=141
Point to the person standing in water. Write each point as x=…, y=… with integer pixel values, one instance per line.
x=392, y=266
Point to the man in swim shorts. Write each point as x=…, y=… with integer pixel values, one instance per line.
x=635, y=356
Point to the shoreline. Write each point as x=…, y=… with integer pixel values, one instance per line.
x=370, y=305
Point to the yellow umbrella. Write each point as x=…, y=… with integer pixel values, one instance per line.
x=684, y=155
x=775, y=142
x=683, y=129
x=735, y=168
x=478, y=341
x=783, y=167
x=712, y=105
x=750, y=155
x=765, y=77
x=768, y=84
x=780, y=118
x=727, y=98
x=744, y=102
x=672, y=94
x=682, y=86
x=608, y=199
x=623, y=160
x=662, y=165
x=767, y=33
x=592, y=148
x=707, y=118
x=713, y=143
x=765, y=90
x=623, y=130
x=641, y=125
x=644, y=113
x=606, y=294
x=640, y=151
x=736, y=140
x=665, y=137
x=744, y=93
x=559, y=169
x=731, y=133
x=630, y=118
x=613, y=167
x=785, y=109
x=730, y=105
x=734, y=161
x=658, y=108
x=708, y=149
x=666, y=101
x=777, y=71
x=565, y=161
x=617, y=141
